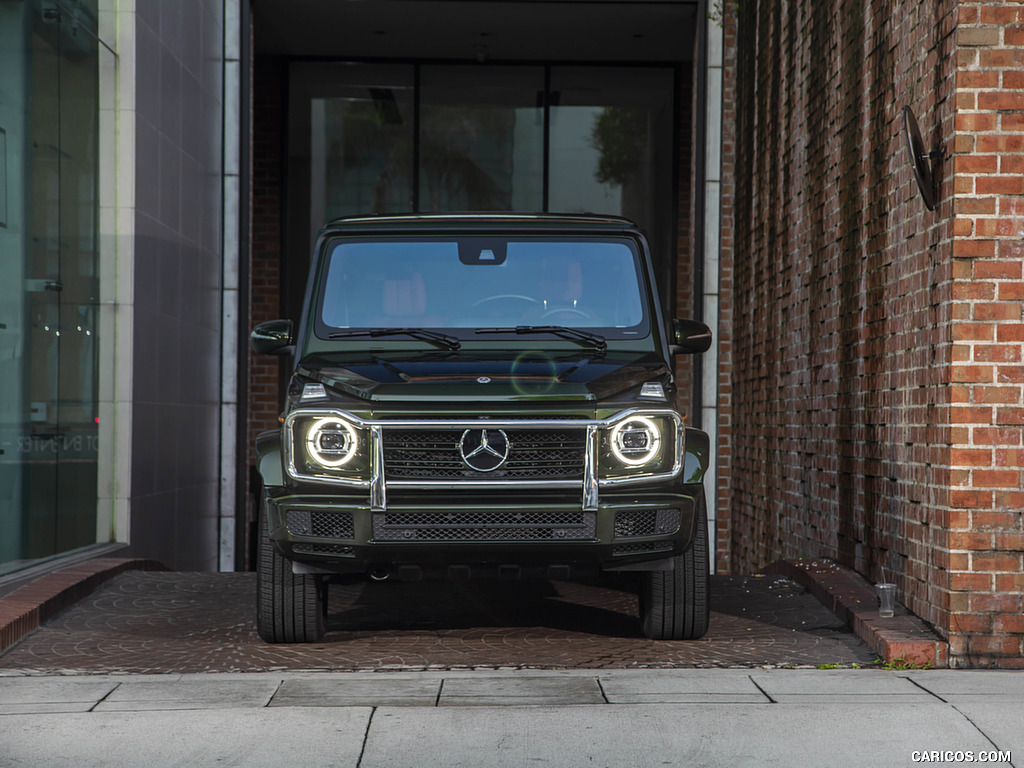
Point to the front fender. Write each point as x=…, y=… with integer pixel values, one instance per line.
x=696, y=456
x=268, y=458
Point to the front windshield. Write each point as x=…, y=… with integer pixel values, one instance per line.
x=483, y=282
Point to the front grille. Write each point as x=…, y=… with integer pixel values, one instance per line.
x=485, y=526
x=534, y=454
x=323, y=549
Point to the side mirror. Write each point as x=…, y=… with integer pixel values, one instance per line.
x=272, y=338
x=690, y=337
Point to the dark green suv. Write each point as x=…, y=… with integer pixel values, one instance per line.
x=481, y=396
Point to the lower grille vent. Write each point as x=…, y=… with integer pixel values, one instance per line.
x=324, y=525
x=638, y=549
x=323, y=549
x=485, y=526
x=631, y=523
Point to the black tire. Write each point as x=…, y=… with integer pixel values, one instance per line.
x=290, y=607
x=676, y=605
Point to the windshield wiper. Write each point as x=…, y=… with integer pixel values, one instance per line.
x=586, y=338
x=441, y=339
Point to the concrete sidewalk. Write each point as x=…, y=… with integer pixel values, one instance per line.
x=614, y=718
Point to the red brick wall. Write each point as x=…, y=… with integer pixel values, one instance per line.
x=878, y=377
x=265, y=270
x=987, y=391
x=843, y=283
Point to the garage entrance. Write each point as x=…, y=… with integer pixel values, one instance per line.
x=444, y=105
x=411, y=137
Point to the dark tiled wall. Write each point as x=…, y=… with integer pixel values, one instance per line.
x=177, y=310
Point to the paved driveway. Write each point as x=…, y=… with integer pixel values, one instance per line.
x=145, y=622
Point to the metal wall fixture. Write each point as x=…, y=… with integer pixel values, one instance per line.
x=923, y=164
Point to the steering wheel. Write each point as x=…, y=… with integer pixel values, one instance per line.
x=505, y=297
x=566, y=310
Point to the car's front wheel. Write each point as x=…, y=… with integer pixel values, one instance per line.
x=676, y=604
x=290, y=607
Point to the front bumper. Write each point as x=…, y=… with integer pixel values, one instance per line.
x=428, y=533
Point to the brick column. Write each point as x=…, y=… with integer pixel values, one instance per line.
x=726, y=297
x=265, y=288
x=986, y=539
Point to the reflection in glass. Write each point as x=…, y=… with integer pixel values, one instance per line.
x=470, y=283
x=611, y=141
x=79, y=295
x=481, y=139
x=361, y=143
x=474, y=138
x=48, y=431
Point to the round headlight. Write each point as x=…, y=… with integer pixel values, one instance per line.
x=636, y=441
x=331, y=442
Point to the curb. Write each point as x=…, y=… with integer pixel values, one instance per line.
x=903, y=638
x=30, y=606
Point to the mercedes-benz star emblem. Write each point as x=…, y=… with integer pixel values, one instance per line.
x=484, y=449
x=484, y=380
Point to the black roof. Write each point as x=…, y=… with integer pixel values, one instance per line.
x=471, y=222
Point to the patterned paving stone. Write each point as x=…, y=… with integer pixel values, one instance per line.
x=145, y=622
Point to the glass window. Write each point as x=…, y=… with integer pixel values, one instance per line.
x=481, y=138
x=611, y=148
x=376, y=138
x=354, y=135
x=477, y=282
x=49, y=110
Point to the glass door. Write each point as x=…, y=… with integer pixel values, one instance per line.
x=48, y=233
x=351, y=149
x=78, y=298
x=390, y=138
x=481, y=138
x=612, y=150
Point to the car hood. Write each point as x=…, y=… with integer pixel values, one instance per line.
x=455, y=377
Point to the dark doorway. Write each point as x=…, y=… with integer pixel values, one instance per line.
x=410, y=105
x=392, y=138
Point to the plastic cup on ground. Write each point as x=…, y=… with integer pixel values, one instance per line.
x=886, y=600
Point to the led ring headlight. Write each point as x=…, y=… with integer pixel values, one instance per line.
x=331, y=442
x=636, y=441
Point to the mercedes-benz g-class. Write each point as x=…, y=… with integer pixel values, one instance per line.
x=477, y=396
